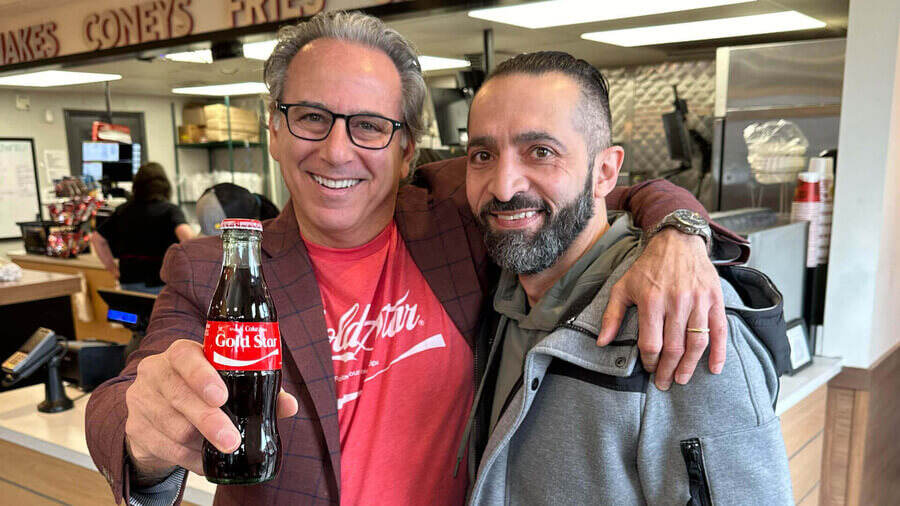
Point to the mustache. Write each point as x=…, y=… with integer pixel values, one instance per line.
x=517, y=202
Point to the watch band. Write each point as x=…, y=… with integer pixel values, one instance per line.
x=686, y=222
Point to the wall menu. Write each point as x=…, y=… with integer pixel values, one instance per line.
x=82, y=26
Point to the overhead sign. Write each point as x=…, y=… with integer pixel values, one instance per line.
x=83, y=26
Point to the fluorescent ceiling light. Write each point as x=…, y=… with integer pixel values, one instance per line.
x=199, y=56
x=703, y=30
x=571, y=12
x=50, y=78
x=259, y=50
x=252, y=50
x=430, y=63
x=222, y=90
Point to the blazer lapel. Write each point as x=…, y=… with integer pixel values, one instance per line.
x=301, y=317
x=436, y=238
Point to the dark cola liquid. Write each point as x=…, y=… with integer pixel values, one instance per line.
x=251, y=407
x=252, y=395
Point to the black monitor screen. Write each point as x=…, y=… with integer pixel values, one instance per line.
x=118, y=171
x=125, y=151
x=677, y=137
x=451, y=110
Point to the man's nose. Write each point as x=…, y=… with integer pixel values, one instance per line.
x=507, y=180
x=337, y=148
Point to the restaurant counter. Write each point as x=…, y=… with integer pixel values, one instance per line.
x=95, y=276
x=52, y=461
x=37, y=299
x=45, y=456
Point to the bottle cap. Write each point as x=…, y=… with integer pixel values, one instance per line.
x=240, y=224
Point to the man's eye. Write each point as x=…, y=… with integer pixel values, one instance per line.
x=481, y=156
x=312, y=117
x=542, y=152
x=368, y=125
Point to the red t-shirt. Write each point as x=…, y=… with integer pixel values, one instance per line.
x=403, y=373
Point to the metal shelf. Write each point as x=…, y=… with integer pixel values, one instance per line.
x=222, y=144
x=230, y=145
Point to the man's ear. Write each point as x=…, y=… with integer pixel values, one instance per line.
x=607, y=164
x=275, y=127
x=408, y=153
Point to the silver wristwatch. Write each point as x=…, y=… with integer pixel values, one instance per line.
x=686, y=222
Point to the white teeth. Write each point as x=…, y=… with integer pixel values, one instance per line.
x=335, y=183
x=517, y=216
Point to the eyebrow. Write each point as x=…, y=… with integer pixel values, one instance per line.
x=485, y=141
x=535, y=136
x=323, y=106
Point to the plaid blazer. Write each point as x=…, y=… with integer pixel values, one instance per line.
x=438, y=228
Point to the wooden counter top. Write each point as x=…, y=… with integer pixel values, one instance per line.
x=37, y=285
x=95, y=276
x=85, y=261
x=61, y=436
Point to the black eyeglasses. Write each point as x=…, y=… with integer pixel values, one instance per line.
x=314, y=123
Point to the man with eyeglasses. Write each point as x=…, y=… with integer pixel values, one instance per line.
x=380, y=289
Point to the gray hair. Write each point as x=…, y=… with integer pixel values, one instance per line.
x=361, y=29
x=594, y=118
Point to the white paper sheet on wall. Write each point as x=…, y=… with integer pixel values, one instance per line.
x=56, y=164
x=18, y=187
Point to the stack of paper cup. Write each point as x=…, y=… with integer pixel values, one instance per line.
x=807, y=206
x=825, y=168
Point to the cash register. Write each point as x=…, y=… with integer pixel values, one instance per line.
x=130, y=309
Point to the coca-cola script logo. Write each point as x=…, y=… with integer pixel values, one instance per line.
x=356, y=332
x=243, y=346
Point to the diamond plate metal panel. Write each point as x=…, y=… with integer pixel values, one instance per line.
x=640, y=95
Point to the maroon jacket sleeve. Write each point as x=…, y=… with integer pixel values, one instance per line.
x=649, y=202
x=176, y=315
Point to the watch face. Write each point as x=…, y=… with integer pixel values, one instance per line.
x=690, y=218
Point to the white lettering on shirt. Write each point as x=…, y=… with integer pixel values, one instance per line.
x=356, y=333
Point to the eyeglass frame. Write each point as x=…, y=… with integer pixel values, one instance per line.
x=284, y=107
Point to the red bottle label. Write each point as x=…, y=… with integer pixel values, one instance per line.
x=242, y=346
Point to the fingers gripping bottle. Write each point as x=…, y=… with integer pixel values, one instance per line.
x=243, y=343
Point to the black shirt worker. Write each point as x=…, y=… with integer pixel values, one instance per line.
x=140, y=231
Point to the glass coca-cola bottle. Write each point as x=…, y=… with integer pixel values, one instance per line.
x=243, y=343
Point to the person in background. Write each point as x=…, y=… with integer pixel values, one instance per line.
x=140, y=231
x=227, y=200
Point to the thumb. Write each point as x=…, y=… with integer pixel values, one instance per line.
x=612, y=317
x=287, y=405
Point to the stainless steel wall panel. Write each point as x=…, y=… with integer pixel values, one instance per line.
x=640, y=95
x=786, y=75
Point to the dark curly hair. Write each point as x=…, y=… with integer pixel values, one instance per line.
x=150, y=184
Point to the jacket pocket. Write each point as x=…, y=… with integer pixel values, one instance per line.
x=692, y=452
x=738, y=468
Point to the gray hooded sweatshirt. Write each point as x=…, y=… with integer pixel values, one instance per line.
x=586, y=425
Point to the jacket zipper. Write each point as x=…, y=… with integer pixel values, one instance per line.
x=572, y=324
x=693, y=459
x=475, y=381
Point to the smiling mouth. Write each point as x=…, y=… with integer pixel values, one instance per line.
x=518, y=216
x=335, y=184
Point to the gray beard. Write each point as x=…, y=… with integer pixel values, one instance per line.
x=523, y=252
